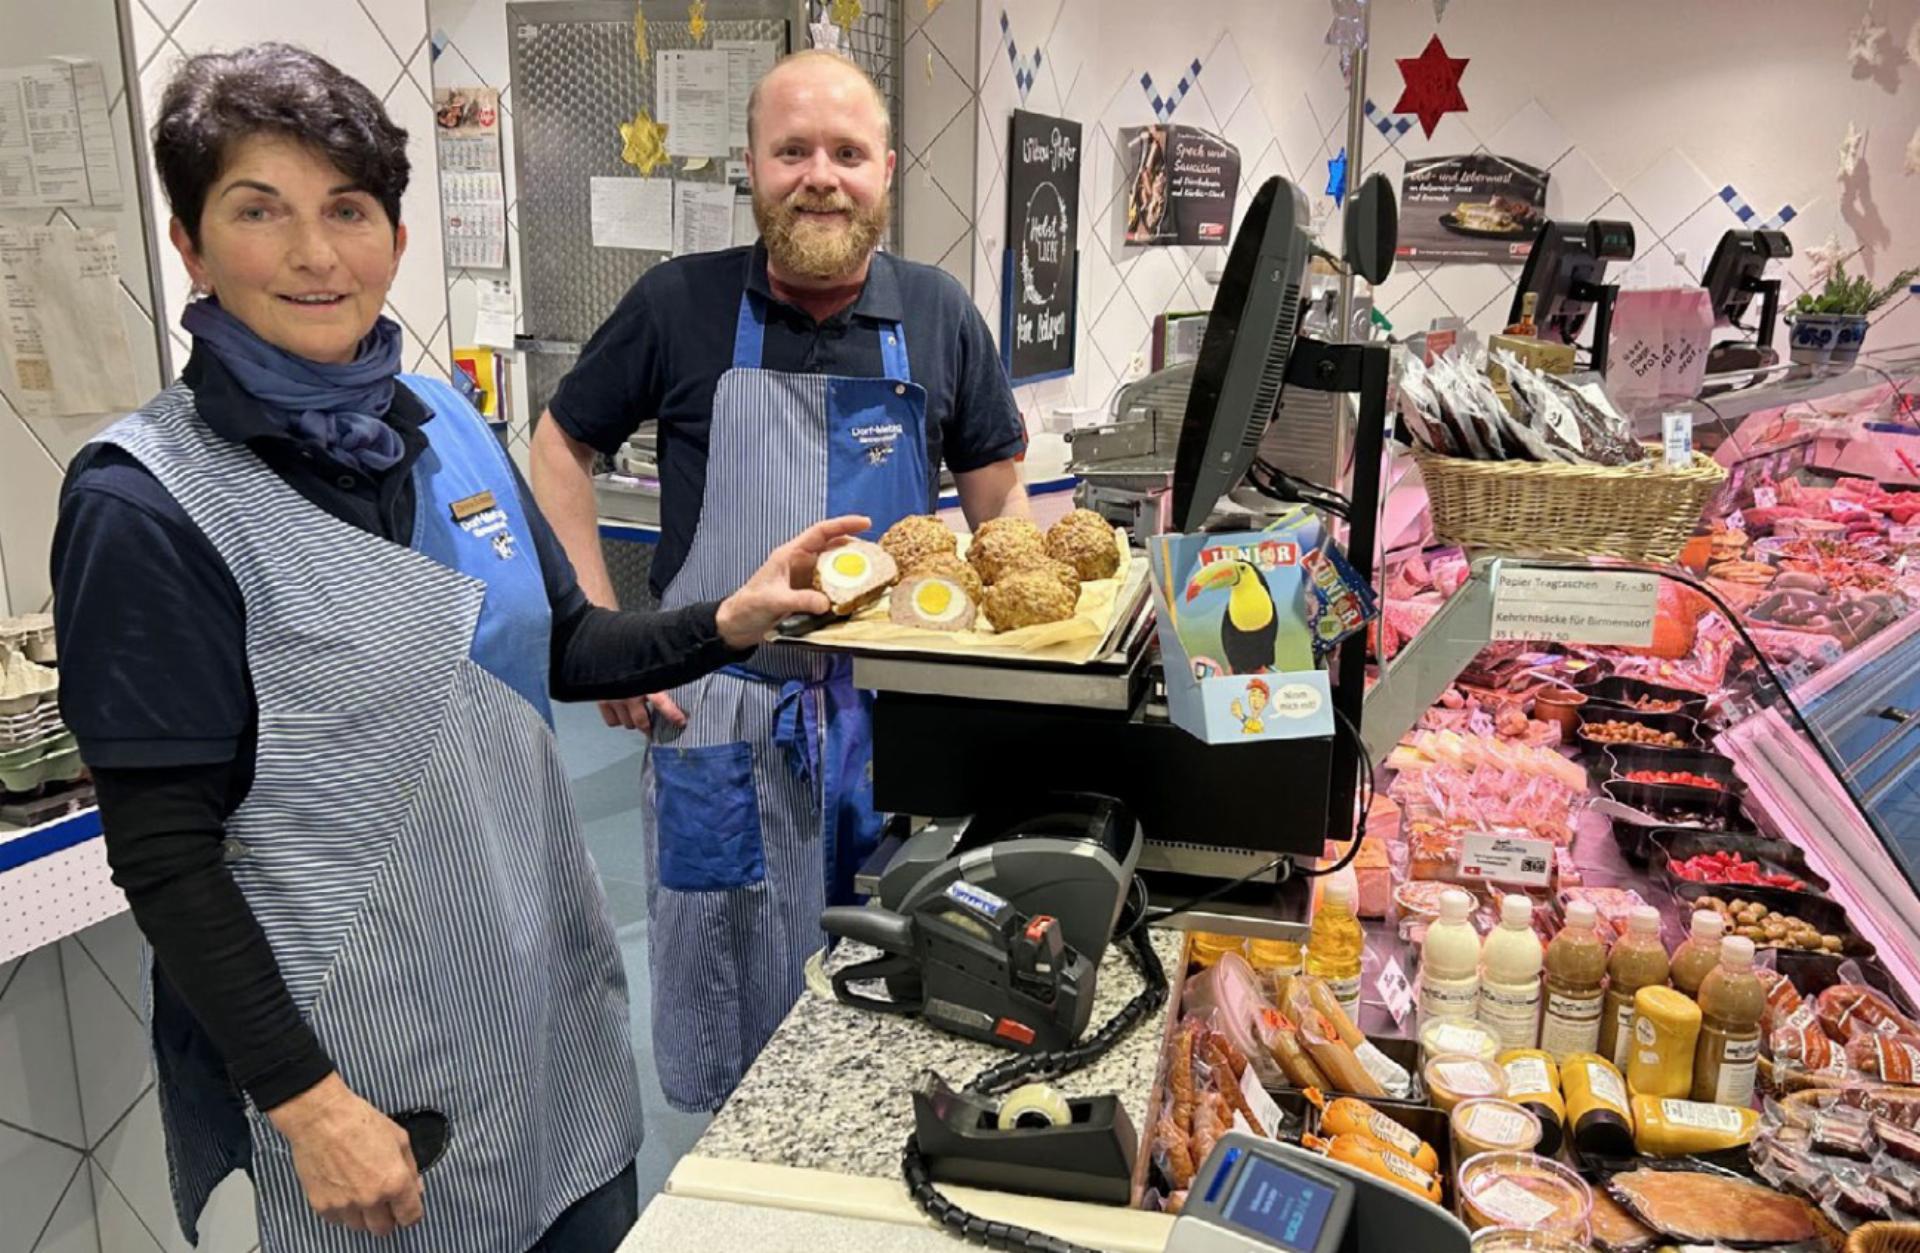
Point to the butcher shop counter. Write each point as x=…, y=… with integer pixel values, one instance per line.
x=819, y=1122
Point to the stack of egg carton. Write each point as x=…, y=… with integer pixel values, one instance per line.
x=36, y=749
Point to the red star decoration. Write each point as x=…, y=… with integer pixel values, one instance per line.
x=1433, y=85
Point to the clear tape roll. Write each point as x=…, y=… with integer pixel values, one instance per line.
x=1037, y=1104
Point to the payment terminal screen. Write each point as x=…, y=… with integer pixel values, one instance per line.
x=1273, y=1202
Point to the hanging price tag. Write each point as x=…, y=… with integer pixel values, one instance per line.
x=1765, y=498
x=1676, y=429
x=1737, y=520
x=1396, y=990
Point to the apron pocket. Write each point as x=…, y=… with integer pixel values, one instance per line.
x=709, y=818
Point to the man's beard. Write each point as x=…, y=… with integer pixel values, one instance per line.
x=820, y=250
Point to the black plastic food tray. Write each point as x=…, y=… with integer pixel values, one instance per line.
x=1622, y=758
x=1777, y=854
x=1813, y=973
x=1828, y=917
x=1677, y=807
x=1617, y=690
x=1688, y=729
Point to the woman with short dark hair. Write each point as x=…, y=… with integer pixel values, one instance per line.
x=310, y=622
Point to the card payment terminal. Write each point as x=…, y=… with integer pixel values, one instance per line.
x=1254, y=1195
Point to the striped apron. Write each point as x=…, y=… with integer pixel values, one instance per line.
x=757, y=814
x=409, y=845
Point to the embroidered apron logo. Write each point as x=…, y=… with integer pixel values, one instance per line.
x=490, y=525
x=878, y=439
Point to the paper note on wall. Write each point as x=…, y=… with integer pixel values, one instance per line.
x=1574, y=606
x=64, y=346
x=493, y=317
x=631, y=213
x=56, y=141
x=745, y=229
x=691, y=101
x=702, y=217
x=747, y=61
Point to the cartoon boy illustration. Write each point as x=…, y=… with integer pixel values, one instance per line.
x=1249, y=716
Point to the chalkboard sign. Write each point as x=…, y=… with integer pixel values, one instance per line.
x=1039, y=274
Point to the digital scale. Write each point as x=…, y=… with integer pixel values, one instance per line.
x=1253, y=1195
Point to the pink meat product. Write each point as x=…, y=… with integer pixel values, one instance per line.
x=1786, y=647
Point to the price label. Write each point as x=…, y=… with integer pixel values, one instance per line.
x=1737, y=520
x=1396, y=990
x=1765, y=497
x=1575, y=606
x=1260, y=1103
x=1507, y=859
x=1900, y=536
x=1676, y=430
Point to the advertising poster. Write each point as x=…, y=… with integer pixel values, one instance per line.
x=1478, y=207
x=1181, y=182
x=1043, y=221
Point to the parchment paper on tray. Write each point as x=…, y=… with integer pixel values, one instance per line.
x=1075, y=641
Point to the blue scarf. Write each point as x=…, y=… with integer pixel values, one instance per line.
x=336, y=408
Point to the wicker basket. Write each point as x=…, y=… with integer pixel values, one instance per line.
x=1885, y=1238
x=1642, y=512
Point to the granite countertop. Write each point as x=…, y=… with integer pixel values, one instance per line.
x=832, y=1089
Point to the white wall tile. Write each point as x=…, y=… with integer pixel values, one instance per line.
x=1576, y=187
x=419, y=290
x=934, y=224
x=229, y=1224
x=955, y=28
x=73, y=1228
x=1466, y=289
x=1531, y=135
x=404, y=22
x=38, y=1089
x=1668, y=191
x=1154, y=280
x=148, y=35
x=1299, y=137
x=1224, y=79
x=1121, y=331
x=1700, y=233
x=29, y=498
x=168, y=12
x=33, y=1176
x=930, y=106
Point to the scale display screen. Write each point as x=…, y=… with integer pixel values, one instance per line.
x=1275, y=1203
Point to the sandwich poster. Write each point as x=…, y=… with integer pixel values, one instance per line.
x=1181, y=182
x=1479, y=207
x=1043, y=223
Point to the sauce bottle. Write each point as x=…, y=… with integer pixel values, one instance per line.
x=1639, y=961
x=1510, y=964
x=1335, y=944
x=1576, y=984
x=1732, y=999
x=1450, y=961
x=1699, y=953
x=1207, y=947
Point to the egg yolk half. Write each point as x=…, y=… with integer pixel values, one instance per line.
x=933, y=598
x=852, y=565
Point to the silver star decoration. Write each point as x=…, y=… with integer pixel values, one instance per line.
x=1913, y=42
x=1824, y=259
x=1913, y=152
x=1440, y=9
x=1852, y=147
x=1863, y=47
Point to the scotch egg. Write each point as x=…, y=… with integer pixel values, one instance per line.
x=932, y=602
x=854, y=575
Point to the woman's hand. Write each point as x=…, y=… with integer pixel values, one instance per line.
x=354, y=1162
x=784, y=585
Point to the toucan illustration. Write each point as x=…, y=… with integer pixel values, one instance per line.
x=1250, y=625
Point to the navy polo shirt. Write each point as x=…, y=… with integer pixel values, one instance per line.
x=660, y=354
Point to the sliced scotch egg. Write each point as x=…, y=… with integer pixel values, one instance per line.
x=933, y=602
x=854, y=575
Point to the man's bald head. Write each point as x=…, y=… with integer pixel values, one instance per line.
x=817, y=67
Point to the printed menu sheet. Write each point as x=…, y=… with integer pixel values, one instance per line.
x=56, y=142
x=64, y=347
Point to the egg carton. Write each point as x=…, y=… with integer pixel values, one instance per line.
x=55, y=759
x=23, y=729
x=31, y=634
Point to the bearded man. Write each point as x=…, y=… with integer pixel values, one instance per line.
x=804, y=377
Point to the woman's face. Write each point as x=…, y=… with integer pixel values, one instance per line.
x=294, y=249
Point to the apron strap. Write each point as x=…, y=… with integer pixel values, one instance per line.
x=750, y=340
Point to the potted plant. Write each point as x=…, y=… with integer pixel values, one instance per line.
x=1830, y=325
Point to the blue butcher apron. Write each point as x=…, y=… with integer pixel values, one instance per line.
x=757, y=814
x=409, y=846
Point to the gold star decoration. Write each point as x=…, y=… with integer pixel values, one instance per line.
x=640, y=33
x=643, y=143
x=844, y=13
x=697, y=19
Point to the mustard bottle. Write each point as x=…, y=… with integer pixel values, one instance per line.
x=1664, y=1127
x=1666, y=1028
x=1597, y=1106
x=1533, y=1083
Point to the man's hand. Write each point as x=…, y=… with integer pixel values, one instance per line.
x=784, y=585
x=637, y=713
x=354, y=1162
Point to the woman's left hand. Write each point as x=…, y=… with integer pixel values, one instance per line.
x=783, y=586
